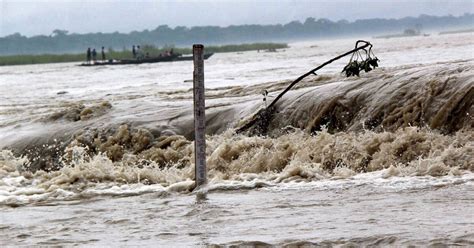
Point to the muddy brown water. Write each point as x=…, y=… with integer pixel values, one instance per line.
x=386, y=159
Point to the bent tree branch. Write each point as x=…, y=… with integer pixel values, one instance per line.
x=262, y=118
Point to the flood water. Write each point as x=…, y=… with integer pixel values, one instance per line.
x=103, y=156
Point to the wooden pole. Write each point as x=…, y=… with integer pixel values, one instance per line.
x=199, y=117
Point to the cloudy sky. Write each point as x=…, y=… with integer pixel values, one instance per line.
x=82, y=16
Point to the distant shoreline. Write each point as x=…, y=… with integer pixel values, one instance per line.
x=127, y=54
x=63, y=41
x=470, y=30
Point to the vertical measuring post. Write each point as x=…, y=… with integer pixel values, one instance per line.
x=199, y=116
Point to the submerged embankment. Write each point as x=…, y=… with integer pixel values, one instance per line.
x=417, y=119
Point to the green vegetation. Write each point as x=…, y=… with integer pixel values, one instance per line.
x=154, y=51
x=39, y=59
x=127, y=54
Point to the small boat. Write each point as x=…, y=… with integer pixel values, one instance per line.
x=171, y=58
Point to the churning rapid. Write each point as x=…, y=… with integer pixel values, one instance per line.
x=372, y=160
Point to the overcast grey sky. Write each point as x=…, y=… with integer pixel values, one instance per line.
x=41, y=17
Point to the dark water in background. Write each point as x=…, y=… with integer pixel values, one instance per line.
x=391, y=165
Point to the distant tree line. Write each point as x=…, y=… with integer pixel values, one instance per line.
x=61, y=41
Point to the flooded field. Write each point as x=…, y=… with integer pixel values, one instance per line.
x=104, y=155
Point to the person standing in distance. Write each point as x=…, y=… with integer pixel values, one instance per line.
x=103, y=54
x=88, y=53
x=94, y=55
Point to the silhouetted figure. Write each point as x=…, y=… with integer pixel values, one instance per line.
x=139, y=54
x=88, y=55
x=103, y=55
x=94, y=55
x=134, y=52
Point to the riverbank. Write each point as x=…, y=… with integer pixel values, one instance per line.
x=127, y=54
x=461, y=31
